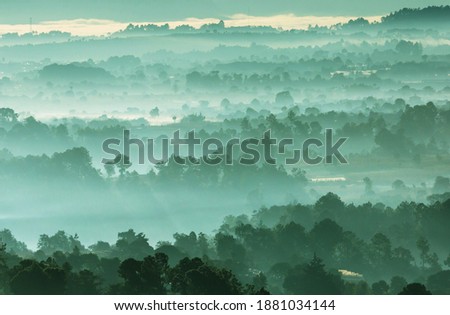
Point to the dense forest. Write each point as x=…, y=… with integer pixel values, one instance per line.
x=291, y=249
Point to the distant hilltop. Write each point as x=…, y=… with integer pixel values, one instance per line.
x=437, y=17
x=432, y=15
x=407, y=18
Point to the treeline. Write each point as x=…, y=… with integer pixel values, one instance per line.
x=410, y=135
x=405, y=17
x=326, y=248
x=429, y=15
x=396, y=128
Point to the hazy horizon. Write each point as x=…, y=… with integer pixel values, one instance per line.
x=154, y=10
x=98, y=27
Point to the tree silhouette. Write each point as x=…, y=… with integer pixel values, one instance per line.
x=144, y=277
x=439, y=283
x=193, y=276
x=312, y=278
x=380, y=287
x=84, y=282
x=415, y=289
x=397, y=284
x=130, y=244
x=31, y=277
x=4, y=277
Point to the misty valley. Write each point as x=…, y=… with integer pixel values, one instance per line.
x=80, y=214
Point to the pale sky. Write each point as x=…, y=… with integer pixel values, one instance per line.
x=86, y=27
x=19, y=11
